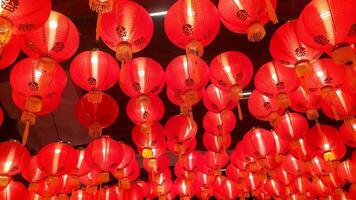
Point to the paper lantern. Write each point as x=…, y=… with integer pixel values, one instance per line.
x=141, y=76
x=46, y=188
x=217, y=100
x=347, y=171
x=191, y=161
x=216, y=143
x=248, y=17
x=129, y=33
x=10, y=51
x=293, y=166
x=235, y=173
x=291, y=126
x=259, y=143
x=219, y=123
x=288, y=49
x=107, y=193
x=127, y=175
x=319, y=188
x=181, y=148
x=306, y=102
x=81, y=167
x=239, y=158
x=333, y=180
x=181, y=128
x=96, y=116
x=254, y=181
x=214, y=161
x=319, y=167
x=301, y=150
x=68, y=184
x=347, y=132
x=229, y=189
x=192, y=25
x=183, y=188
x=283, y=177
x=231, y=71
x=159, y=163
x=182, y=99
x=13, y=158
x=33, y=196
x=13, y=191
x=56, y=158
x=56, y=41
x=21, y=17
x=338, y=105
x=302, y=185
x=94, y=71
x=145, y=109
x=263, y=107
x=92, y=179
x=104, y=154
x=274, y=188
x=81, y=195
x=31, y=172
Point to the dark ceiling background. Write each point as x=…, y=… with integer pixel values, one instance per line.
x=62, y=123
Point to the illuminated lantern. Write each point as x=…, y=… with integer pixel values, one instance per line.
x=293, y=165
x=322, y=25
x=181, y=128
x=254, y=181
x=191, y=161
x=21, y=17
x=216, y=143
x=81, y=195
x=134, y=193
x=231, y=71
x=127, y=158
x=219, y=123
x=92, y=179
x=129, y=34
x=264, y=108
x=10, y=51
x=281, y=176
x=145, y=109
x=214, y=161
x=333, y=180
x=96, y=116
x=56, y=41
x=235, y=173
x=273, y=79
x=239, y=158
x=141, y=76
x=282, y=146
x=301, y=150
x=107, y=193
x=180, y=98
x=181, y=148
x=347, y=132
x=319, y=188
x=186, y=75
x=320, y=167
x=229, y=189
x=288, y=49
x=13, y=158
x=13, y=191
x=183, y=188
x=339, y=105
x=274, y=188
x=347, y=171
x=148, y=140
x=104, y=154
x=34, y=86
x=248, y=16
x=68, y=184
x=81, y=166
x=217, y=100
x=156, y=164
x=157, y=152
x=57, y=158
x=324, y=140
x=33, y=196
x=94, y=71
x=302, y=185
x=291, y=126
x=192, y=25
x=46, y=188
x=259, y=143
x=305, y=102
x=127, y=175
x=31, y=172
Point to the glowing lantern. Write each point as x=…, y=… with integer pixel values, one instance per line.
x=183, y=188
x=68, y=184
x=13, y=158
x=281, y=176
x=214, y=161
x=231, y=71
x=347, y=132
x=127, y=175
x=96, y=116
x=229, y=189
x=318, y=166
x=216, y=143
x=181, y=148
x=254, y=181
x=21, y=17
x=339, y=105
x=293, y=165
x=288, y=49
x=46, y=188
x=13, y=191
x=264, y=108
x=333, y=180
x=301, y=150
x=235, y=173
x=127, y=158
x=323, y=139
x=156, y=164
x=10, y=51
x=219, y=123
x=274, y=188
x=302, y=185
x=181, y=128
x=145, y=109
x=319, y=188
x=322, y=25
x=217, y=100
x=239, y=158
x=180, y=98
x=192, y=25
x=306, y=102
x=259, y=143
x=187, y=75
x=33, y=196
x=81, y=195
x=248, y=16
x=129, y=33
x=291, y=126
x=81, y=166
x=107, y=193
x=141, y=76
x=347, y=171
x=191, y=161
x=104, y=154
x=92, y=179
x=273, y=79
x=31, y=172
x=94, y=71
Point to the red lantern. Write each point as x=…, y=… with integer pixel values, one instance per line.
x=10, y=51
x=181, y=128
x=81, y=166
x=339, y=105
x=33, y=196
x=128, y=157
x=68, y=184
x=333, y=180
x=302, y=185
x=182, y=99
x=128, y=29
x=347, y=132
x=108, y=193
x=282, y=146
x=94, y=71
x=239, y=158
x=92, y=179
x=229, y=189
x=134, y=193
x=259, y=143
x=156, y=164
x=141, y=76
x=96, y=116
x=217, y=100
x=248, y=16
x=319, y=188
x=235, y=173
x=254, y=181
x=323, y=140
x=81, y=195
x=214, y=161
x=306, y=102
x=231, y=71
x=281, y=176
x=22, y=17
x=127, y=175
x=13, y=191
x=293, y=166
x=192, y=24
x=104, y=154
x=291, y=126
x=274, y=188
x=320, y=167
x=178, y=148
x=288, y=49
x=263, y=107
x=13, y=158
x=183, y=188
x=322, y=25
x=219, y=123
x=57, y=158
x=347, y=171
x=301, y=150
x=46, y=188
x=192, y=161
x=352, y=190
x=31, y=172
x=216, y=143
x=57, y=39
x=145, y=109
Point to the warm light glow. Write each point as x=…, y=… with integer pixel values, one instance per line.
x=53, y=24
x=161, y=13
x=325, y=15
x=94, y=65
x=52, y=30
x=227, y=68
x=326, y=146
x=238, y=4
x=141, y=74
x=341, y=99
x=273, y=72
x=38, y=75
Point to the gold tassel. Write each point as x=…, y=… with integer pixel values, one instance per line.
x=255, y=32
x=98, y=27
x=25, y=133
x=271, y=12
x=4, y=181
x=101, y=6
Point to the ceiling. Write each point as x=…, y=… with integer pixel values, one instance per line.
x=63, y=125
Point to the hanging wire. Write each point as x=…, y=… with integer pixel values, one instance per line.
x=55, y=125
